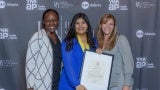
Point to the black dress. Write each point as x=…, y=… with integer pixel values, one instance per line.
x=57, y=58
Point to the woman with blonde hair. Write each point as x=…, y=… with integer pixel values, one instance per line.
x=109, y=41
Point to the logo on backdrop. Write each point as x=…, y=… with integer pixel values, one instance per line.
x=141, y=34
x=7, y=63
x=144, y=5
x=3, y=4
x=4, y=34
x=33, y=5
x=86, y=5
x=115, y=5
x=144, y=62
x=62, y=4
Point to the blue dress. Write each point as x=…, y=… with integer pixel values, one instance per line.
x=72, y=62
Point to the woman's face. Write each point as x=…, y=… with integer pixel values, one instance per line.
x=50, y=21
x=108, y=27
x=81, y=26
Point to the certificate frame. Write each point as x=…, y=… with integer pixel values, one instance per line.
x=96, y=70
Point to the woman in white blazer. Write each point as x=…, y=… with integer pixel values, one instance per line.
x=43, y=60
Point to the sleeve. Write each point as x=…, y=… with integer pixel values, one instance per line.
x=30, y=67
x=127, y=60
x=69, y=66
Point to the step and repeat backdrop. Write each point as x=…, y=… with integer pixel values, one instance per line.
x=138, y=20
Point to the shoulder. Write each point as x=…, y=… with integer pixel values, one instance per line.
x=74, y=40
x=39, y=32
x=37, y=35
x=123, y=41
x=122, y=38
x=34, y=36
x=64, y=41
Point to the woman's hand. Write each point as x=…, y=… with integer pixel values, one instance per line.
x=80, y=87
x=99, y=50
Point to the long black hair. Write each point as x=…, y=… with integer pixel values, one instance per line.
x=72, y=33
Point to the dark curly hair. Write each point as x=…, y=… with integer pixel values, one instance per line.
x=72, y=33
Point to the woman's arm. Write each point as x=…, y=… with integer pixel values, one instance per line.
x=32, y=53
x=69, y=66
x=30, y=66
x=128, y=62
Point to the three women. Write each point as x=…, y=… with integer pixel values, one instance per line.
x=78, y=39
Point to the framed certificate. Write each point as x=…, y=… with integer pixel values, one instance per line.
x=96, y=70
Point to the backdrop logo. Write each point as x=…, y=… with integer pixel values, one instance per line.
x=143, y=62
x=64, y=4
x=2, y=4
x=85, y=5
x=141, y=4
x=140, y=34
x=117, y=5
x=7, y=63
x=4, y=34
x=113, y=4
x=31, y=4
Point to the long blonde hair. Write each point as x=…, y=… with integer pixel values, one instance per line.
x=100, y=33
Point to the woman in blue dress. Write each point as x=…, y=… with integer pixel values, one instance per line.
x=78, y=39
